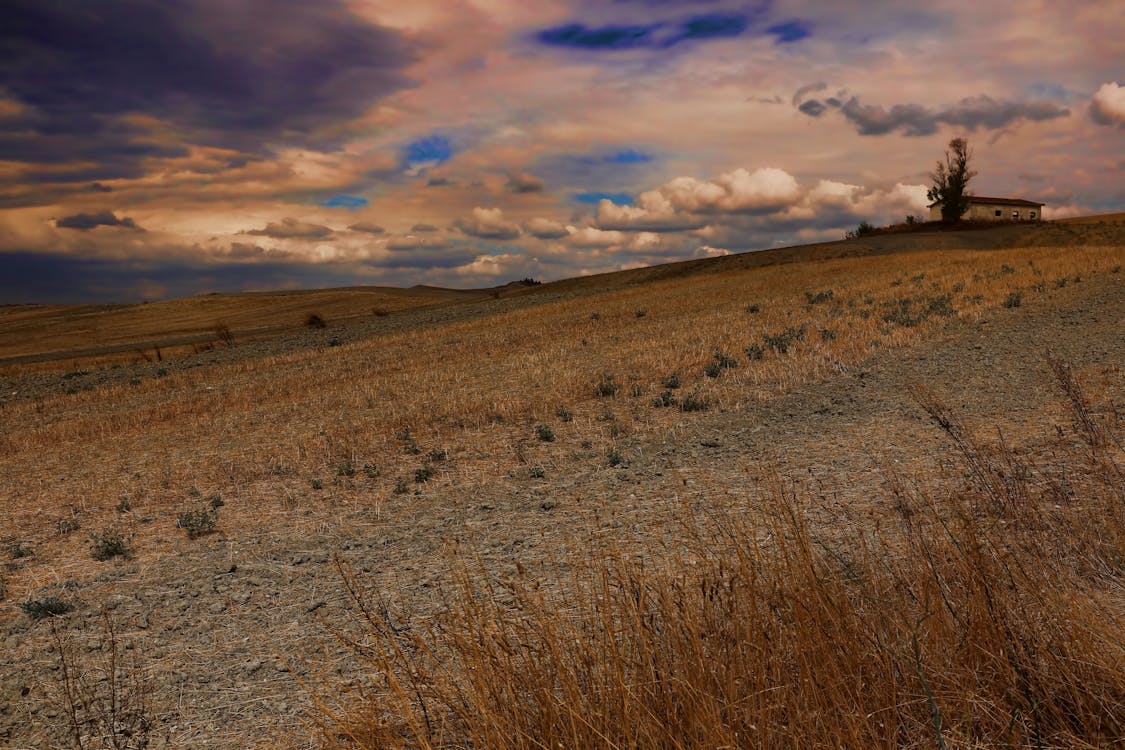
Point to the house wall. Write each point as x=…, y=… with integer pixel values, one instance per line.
x=1001, y=212
x=987, y=212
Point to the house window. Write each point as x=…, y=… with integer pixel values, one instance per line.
x=1015, y=215
x=1031, y=215
x=998, y=212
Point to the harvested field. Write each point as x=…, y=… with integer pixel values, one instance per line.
x=521, y=434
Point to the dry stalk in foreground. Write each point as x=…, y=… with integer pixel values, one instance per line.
x=986, y=616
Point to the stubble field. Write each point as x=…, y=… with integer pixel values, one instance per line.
x=506, y=474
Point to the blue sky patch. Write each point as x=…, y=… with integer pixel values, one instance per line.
x=710, y=26
x=627, y=156
x=345, y=201
x=432, y=149
x=604, y=38
x=621, y=199
x=790, y=31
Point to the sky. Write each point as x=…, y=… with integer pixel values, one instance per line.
x=162, y=149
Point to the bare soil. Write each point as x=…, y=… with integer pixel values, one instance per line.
x=235, y=628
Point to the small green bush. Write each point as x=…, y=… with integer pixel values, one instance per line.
x=816, y=299
x=780, y=342
x=110, y=543
x=197, y=523
x=754, y=352
x=1015, y=299
x=607, y=387
x=51, y=606
x=719, y=362
x=695, y=401
x=545, y=433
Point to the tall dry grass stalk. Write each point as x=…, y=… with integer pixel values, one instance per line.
x=985, y=613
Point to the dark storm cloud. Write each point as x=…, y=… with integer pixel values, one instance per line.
x=521, y=182
x=424, y=259
x=51, y=278
x=219, y=73
x=971, y=113
x=84, y=222
x=290, y=228
x=410, y=252
x=366, y=226
x=812, y=108
x=247, y=251
x=423, y=228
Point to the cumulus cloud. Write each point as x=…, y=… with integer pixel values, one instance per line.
x=971, y=113
x=654, y=212
x=591, y=237
x=84, y=222
x=685, y=202
x=1107, y=107
x=738, y=206
x=488, y=224
x=706, y=251
x=290, y=228
x=522, y=182
x=546, y=229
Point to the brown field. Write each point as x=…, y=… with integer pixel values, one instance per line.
x=565, y=504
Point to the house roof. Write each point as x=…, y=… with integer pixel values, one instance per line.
x=1002, y=201
x=982, y=199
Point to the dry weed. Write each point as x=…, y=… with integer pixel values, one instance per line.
x=988, y=616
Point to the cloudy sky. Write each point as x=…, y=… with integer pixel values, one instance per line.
x=153, y=149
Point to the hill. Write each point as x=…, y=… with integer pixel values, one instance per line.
x=508, y=443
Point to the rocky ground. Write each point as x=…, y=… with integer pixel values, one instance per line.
x=233, y=632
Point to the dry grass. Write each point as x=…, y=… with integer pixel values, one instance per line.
x=36, y=329
x=261, y=429
x=988, y=614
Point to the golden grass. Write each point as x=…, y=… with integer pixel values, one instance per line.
x=987, y=614
x=265, y=428
x=38, y=329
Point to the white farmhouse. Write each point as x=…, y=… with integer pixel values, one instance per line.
x=982, y=208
